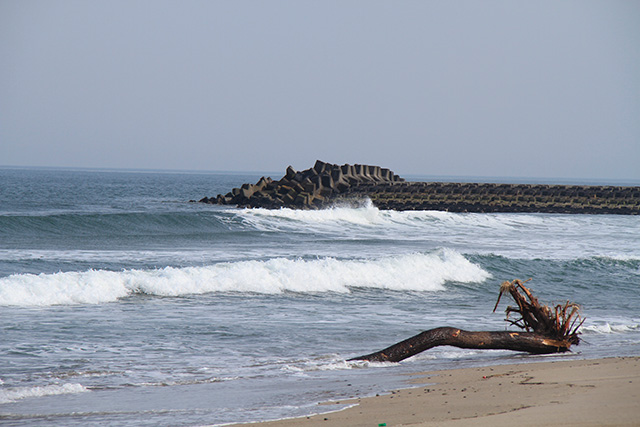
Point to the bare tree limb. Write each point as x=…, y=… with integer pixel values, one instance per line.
x=546, y=330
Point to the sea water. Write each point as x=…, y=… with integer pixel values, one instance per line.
x=123, y=304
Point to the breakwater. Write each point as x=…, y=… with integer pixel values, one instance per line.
x=476, y=197
x=313, y=188
x=326, y=184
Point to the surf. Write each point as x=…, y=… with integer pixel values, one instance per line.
x=423, y=272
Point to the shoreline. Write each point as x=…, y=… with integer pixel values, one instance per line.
x=596, y=392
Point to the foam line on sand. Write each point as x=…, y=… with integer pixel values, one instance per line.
x=597, y=392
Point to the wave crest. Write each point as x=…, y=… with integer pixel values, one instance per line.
x=17, y=393
x=410, y=272
x=610, y=328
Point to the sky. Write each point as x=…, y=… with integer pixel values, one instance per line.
x=458, y=88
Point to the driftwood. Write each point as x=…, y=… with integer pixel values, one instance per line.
x=546, y=330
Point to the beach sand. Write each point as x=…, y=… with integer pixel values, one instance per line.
x=598, y=392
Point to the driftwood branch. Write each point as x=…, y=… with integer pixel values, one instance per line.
x=546, y=330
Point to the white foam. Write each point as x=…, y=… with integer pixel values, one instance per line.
x=17, y=393
x=523, y=236
x=333, y=365
x=411, y=272
x=365, y=214
x=609, y=328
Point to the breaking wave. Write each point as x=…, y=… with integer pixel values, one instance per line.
x=18, y=393
x=604, y=327
x=523, y=236
x=411, y=272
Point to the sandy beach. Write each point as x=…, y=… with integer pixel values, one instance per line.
x=599, y=392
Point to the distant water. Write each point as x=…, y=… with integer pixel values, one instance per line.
x=122, y=304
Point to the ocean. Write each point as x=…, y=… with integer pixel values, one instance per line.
x=123, y=304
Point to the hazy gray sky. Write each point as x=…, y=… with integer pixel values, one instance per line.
x=471, y=88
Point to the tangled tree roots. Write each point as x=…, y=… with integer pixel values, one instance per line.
x=546, y=330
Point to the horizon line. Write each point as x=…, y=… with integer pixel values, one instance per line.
x=455, y=178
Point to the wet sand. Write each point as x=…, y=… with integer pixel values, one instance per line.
x=598, y=392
